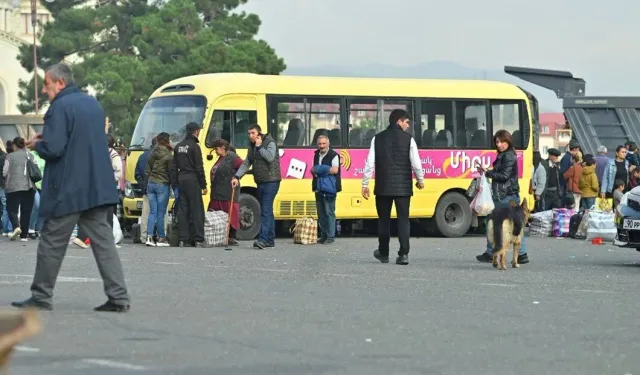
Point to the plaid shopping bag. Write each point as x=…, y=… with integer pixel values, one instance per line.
x=215, y=228
x=305, y=231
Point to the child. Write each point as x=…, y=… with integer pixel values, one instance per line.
x=618, y=192
x=635, y=177
x=589, y=186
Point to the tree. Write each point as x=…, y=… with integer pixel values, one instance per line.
x=128, y=49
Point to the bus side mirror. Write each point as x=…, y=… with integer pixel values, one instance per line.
x=210, y=157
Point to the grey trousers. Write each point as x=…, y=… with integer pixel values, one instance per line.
x=54, y=239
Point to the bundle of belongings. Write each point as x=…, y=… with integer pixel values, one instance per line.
x=627, y=220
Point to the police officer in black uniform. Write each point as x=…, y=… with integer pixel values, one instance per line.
x=188, y=174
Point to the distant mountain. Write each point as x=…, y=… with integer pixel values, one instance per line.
x=430, y=70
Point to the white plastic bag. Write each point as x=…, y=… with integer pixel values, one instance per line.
x=117, y=231
x=482, y=204
x=601, y=224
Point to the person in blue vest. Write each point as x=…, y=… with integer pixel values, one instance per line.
x=326, y=184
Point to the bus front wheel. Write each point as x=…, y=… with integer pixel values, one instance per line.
x=249, y=217
x=453, y=215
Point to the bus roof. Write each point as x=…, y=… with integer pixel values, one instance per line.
x=214, y=85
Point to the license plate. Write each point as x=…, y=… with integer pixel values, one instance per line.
x=139, y=205
x=630, y=224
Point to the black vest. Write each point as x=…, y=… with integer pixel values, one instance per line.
x=326, y=160
x=263, y=171
x=393, y=174
x=221, y=184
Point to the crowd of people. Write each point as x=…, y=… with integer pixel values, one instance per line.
x=577, y=179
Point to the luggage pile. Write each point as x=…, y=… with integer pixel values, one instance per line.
x=596, y=223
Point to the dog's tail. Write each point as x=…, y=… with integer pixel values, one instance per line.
x=497, y=230
x=518, y=220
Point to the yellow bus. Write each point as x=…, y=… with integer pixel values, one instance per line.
x=453, y=123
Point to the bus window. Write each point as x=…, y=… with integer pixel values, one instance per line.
x=369, y=116
x=506, y=116
x=364, y=121
x=242, y=120
x=437, y=124
x=324, y=119
x=220, y=127
x=471, y=125
x=291, y=115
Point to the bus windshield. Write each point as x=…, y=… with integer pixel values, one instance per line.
x=167, y=114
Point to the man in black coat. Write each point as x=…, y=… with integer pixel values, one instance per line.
x=188, y=174
x=394, y=156
x=77, y=187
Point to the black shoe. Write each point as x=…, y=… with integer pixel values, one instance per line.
x=322, y=241
x=112, y=307
x=31, y=303
x=259, y=245
x=233, y=242
x=200, y=244
x=523, y=259
x=378, y=256
x=270, y=244
x=484, y=258
x=182, y=244
x=328, y=241
x=402, y=260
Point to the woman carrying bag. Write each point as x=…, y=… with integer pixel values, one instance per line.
x=222, y=173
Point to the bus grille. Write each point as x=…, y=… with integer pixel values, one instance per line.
x=297, y=208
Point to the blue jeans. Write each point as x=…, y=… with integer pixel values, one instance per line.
x=158, y=195
x=326, y=207
x=587, y=203
x=505, y=203
x=6, y=223
x=36, y=223
x=267, y=192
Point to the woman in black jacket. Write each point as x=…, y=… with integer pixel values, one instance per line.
x=504, y=185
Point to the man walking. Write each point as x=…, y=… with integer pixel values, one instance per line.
x=77, y=188
x=393, y=154
x=263, y=155
x=188, y=173
x=326, y=184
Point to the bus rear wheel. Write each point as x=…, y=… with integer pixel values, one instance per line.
x=249, y=217
x=453, y=215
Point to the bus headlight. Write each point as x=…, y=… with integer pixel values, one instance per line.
x=128, y=190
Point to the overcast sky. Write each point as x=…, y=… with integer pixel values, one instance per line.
x=595, y=40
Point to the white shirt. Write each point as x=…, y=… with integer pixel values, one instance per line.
x=414, y=157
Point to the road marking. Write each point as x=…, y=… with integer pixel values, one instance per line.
x=170, y=263
x=496, y=284
x=60, y=278
x=411, y=279
x=338, y=274
x=76, y=257
x=21, y=348
x=593, y=291
x=114, y=364
x=268, y=270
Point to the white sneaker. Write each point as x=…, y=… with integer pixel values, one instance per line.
x=15, y=234
x=150, y=242
x=24, y=240
x=78, y=242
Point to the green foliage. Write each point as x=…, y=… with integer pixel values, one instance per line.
x=126, y=50
x=26, y=95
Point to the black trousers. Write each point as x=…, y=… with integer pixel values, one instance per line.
x=22, y=201
x=383, y=206
x=191, y=211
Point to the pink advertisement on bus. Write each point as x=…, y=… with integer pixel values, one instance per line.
x=297, y=163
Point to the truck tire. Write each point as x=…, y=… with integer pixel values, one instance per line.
x=453, y=215
x=249, y=217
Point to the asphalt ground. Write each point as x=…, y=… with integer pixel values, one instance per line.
x=336, y=310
